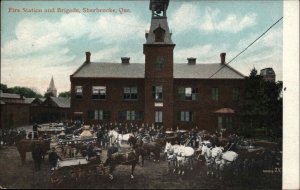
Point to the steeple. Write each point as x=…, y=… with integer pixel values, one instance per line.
x=159, y=30
x=52, y=88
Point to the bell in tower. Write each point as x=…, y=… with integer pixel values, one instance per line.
x=159, y=32
x=159, y=8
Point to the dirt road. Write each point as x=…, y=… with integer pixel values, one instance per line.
x=151, y=176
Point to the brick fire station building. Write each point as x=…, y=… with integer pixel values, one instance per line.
x=158, y=91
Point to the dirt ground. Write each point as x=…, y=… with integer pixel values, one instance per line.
x=151, y=176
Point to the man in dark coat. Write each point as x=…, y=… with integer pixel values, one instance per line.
x=53, y=158
x=111, y=150
x=37, y=156
x=214, y=141
x=100, y=136
x=35, y=131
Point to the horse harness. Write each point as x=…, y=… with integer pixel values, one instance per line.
x=127, y=157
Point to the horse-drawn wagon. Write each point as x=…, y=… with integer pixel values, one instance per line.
x=50, y=129
x=74, y=170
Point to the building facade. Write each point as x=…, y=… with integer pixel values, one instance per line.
x=159, y=91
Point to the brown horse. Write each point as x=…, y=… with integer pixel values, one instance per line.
x=26, y=145
x=146, y=148
x=162, y=141
x=128, y=158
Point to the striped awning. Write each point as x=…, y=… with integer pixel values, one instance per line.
x=225, y=111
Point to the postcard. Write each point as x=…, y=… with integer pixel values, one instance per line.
x=149, y=94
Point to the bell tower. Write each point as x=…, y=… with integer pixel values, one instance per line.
x=158, y=51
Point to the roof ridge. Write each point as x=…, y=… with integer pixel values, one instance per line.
x=234, y=70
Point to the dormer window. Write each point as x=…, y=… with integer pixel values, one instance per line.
x=159, y=34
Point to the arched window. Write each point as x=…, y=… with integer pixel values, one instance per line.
x=159, y=34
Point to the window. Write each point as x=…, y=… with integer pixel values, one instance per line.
x=225, y=122
x=130, y=93
x=99, y=92
x=187, y=93
x=219, y=122
x=158, y=117
x=157, y=92
x=90, y=114
x=186, y=116
x=236, y=94
x=159, y=63
x=130, y=115
x=78, y=91
x=101, y=115
x=215, y=94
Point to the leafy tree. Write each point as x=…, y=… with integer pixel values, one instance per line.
x=48, y=94
x=64, y=94
x=261, y=106
x=3, y=87
x=24, y=91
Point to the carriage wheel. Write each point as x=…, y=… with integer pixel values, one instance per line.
x=62, y=174
x=55, y=178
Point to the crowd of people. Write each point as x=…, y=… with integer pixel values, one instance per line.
x=151, y=132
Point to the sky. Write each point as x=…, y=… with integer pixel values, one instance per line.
x=37, y=44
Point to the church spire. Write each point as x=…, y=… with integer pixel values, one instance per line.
x=159, y=32
x=52, y=88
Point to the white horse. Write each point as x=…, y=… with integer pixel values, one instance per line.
x=206, y=151
x=222, y=160
x=171, y=157
x=115, y=137
x=184, y=156
x=216, y=160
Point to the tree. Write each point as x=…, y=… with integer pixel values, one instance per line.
x=48, y=94
x=3, y=87
x=261, y=106
x=64, y=94
x=24, y=91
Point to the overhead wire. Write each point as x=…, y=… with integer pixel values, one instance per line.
x=246, y=47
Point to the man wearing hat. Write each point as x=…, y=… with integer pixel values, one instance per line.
x=53, y=158
x=112, y=149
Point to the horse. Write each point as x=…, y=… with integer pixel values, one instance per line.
x=183, y=155
x=128, y=158
x=120, y=138
x=146, y=148
x=223, y=159
x=171, y=157
x=207, y=153
x=26, y=145
x=216, y=160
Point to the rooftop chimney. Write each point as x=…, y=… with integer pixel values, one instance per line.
x=87, y=57
x=125, y=60
x=191, y=60
x=223, y=55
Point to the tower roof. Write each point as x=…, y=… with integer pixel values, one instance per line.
x=159, y=32
x=158, y=4
x=51, y=85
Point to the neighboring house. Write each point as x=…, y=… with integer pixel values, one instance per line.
x=14, y=110
x=51, y=109
x=18, y=111
x=158, y=91
x=268, y=74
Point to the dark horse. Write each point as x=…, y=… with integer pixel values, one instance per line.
x=26, y=145
x=144, y=149
x=115, y=159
